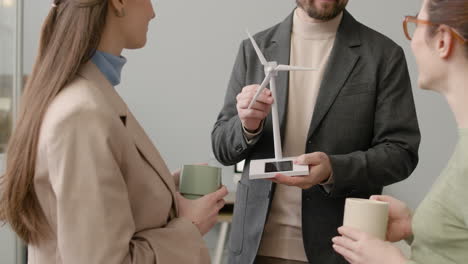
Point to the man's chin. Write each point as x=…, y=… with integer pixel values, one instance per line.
x=327, y=9
x=323, y=10
x=324, y=13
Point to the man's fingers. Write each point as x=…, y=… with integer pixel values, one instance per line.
x=249, y=97
x=252, y=114
x=244, y=104
x=312, y=159
x=261, y=107
x=254, y=88
x=289, y=180
x=272, y=180
x=266, y=99
x=250, y=88
x=248, y=93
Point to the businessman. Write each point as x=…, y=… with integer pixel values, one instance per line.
x=353, y=122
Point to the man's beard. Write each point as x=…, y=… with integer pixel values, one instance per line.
x=330, y=10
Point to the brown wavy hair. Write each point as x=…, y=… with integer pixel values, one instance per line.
x=69, y=36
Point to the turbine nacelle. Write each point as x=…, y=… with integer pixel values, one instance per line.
x=270, y=67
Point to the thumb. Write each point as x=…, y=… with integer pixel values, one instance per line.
x=219, y=194
x=315, y=158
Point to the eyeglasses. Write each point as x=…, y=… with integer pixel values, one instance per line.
x=411, y=22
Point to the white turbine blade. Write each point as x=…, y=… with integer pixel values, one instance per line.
x=260, y=89
x=257, y=49
x=293, y=68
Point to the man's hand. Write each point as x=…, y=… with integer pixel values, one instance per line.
x=252, y=118
x=319, y=171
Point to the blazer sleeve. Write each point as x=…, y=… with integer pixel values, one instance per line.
x=94, y=216
x=394, y=152
x=227, y=137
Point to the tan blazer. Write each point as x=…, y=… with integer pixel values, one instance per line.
x=103, y=186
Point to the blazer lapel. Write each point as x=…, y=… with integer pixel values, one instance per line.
x=91, y=72
x=340, y=64
x=279, y=51
x=143, y=143
x=150, y=153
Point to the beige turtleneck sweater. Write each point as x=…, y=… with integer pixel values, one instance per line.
x=311, y=45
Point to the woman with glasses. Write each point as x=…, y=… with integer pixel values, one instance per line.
x=438, y=231
x=84, y=183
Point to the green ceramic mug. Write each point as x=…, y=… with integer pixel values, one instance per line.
x=199, y=180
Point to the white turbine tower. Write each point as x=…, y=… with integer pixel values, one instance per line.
x=260, y=169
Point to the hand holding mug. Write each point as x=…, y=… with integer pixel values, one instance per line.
x=204, y=211
x=399, y=218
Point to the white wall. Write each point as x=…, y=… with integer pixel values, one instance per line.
x=7, y=35
x=176, y=85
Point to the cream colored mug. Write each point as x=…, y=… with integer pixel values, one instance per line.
x=367, y=215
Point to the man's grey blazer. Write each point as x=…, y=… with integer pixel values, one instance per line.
x=364, y=119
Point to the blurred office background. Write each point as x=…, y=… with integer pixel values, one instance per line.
x=176, y=85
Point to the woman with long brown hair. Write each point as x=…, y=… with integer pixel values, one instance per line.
x=83, y=182
x=438, y=232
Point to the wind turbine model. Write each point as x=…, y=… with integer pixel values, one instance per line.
x=268, y=168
